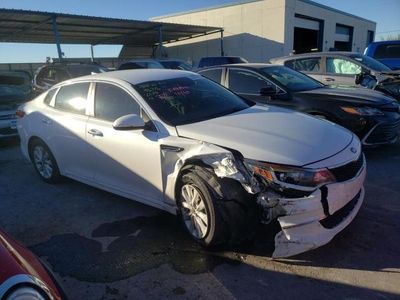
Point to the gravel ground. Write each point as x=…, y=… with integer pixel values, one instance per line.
x=101, y=246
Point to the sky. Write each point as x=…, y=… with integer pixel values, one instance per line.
x=386, y=13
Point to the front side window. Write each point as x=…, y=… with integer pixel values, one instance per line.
x=72, y=98
x=243, y=82
x=341, y=66
x=213, y=74
x=190, y=99
x=111, y=102
x=308, y=64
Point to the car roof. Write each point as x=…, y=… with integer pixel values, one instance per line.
x=136, y=76
x=312, y=54
x=242, y=65
x=385, y=42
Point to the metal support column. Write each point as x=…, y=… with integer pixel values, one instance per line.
x=222, y=42
x=92, y=52
x=160, y=39
x=57, y=37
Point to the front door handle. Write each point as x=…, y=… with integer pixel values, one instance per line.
x=95, y=132
x=329, y=79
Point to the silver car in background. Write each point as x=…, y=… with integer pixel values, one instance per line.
x=182, y=143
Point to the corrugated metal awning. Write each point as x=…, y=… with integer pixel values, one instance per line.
x=24, y=26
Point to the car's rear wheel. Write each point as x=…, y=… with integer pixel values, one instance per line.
x=214, y=210
x=44, y=162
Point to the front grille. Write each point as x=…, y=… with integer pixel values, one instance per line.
x=384, y=133
x=335, y=219
x=6, y=131
x=348, y=171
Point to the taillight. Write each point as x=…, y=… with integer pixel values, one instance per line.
x=20, y=113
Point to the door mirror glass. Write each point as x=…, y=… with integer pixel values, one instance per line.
x=129, y=122
x=268, y=91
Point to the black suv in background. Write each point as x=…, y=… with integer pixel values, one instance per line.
x=220, y=60
x=51, y=74
x=373, y=116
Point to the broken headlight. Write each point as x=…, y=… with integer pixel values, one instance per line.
x=287, y=177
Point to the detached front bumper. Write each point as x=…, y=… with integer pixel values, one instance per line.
x=313, y=221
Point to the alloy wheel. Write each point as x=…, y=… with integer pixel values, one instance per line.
x=42, y=161
x=194, y=211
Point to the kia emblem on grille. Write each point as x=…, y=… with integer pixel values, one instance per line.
x=354, y=150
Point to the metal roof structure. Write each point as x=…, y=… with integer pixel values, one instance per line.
x=25, y=26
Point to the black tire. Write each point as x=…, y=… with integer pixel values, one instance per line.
x=47, y=175
x=232, y=212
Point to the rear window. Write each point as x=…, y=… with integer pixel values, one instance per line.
x=72, y=98
x=387, y=51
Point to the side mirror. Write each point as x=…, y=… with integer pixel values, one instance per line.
x=129, y=122
x=268, y=91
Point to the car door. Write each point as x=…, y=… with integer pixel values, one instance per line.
x=340, y=71
x=127, y=162
x=65, y=121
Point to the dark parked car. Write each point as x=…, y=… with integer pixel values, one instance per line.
x=342, y=68
x=23, y=276
x=51, y=74
x=387, y=52
x=373, y=116
x=15, y=89
x=220, y=60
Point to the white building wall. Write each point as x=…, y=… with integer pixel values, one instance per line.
x=260, y=30
x=253, y=30
x=331, y=18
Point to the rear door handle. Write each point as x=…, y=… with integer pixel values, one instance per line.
x=95, y=132
x=46, y=121
x=329, y=79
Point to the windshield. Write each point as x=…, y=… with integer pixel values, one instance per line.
x=370, y=63
x=292, y=80
x=82, y=70
x=185, y=100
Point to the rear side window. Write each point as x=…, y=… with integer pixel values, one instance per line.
x=387, y=51
x=49, y=96
x=243, y=82
x=307, y=64
x=214, y=74
x=72, y=98
x=112, y=102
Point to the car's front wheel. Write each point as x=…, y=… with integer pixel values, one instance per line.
x=44, y=162
x=214, y=210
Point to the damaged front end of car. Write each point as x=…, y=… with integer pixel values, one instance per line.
x=311, y=204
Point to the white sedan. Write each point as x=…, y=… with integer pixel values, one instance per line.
x=180, y=142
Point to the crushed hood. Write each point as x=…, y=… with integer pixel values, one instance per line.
x=272, y=134
x=350, y=94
